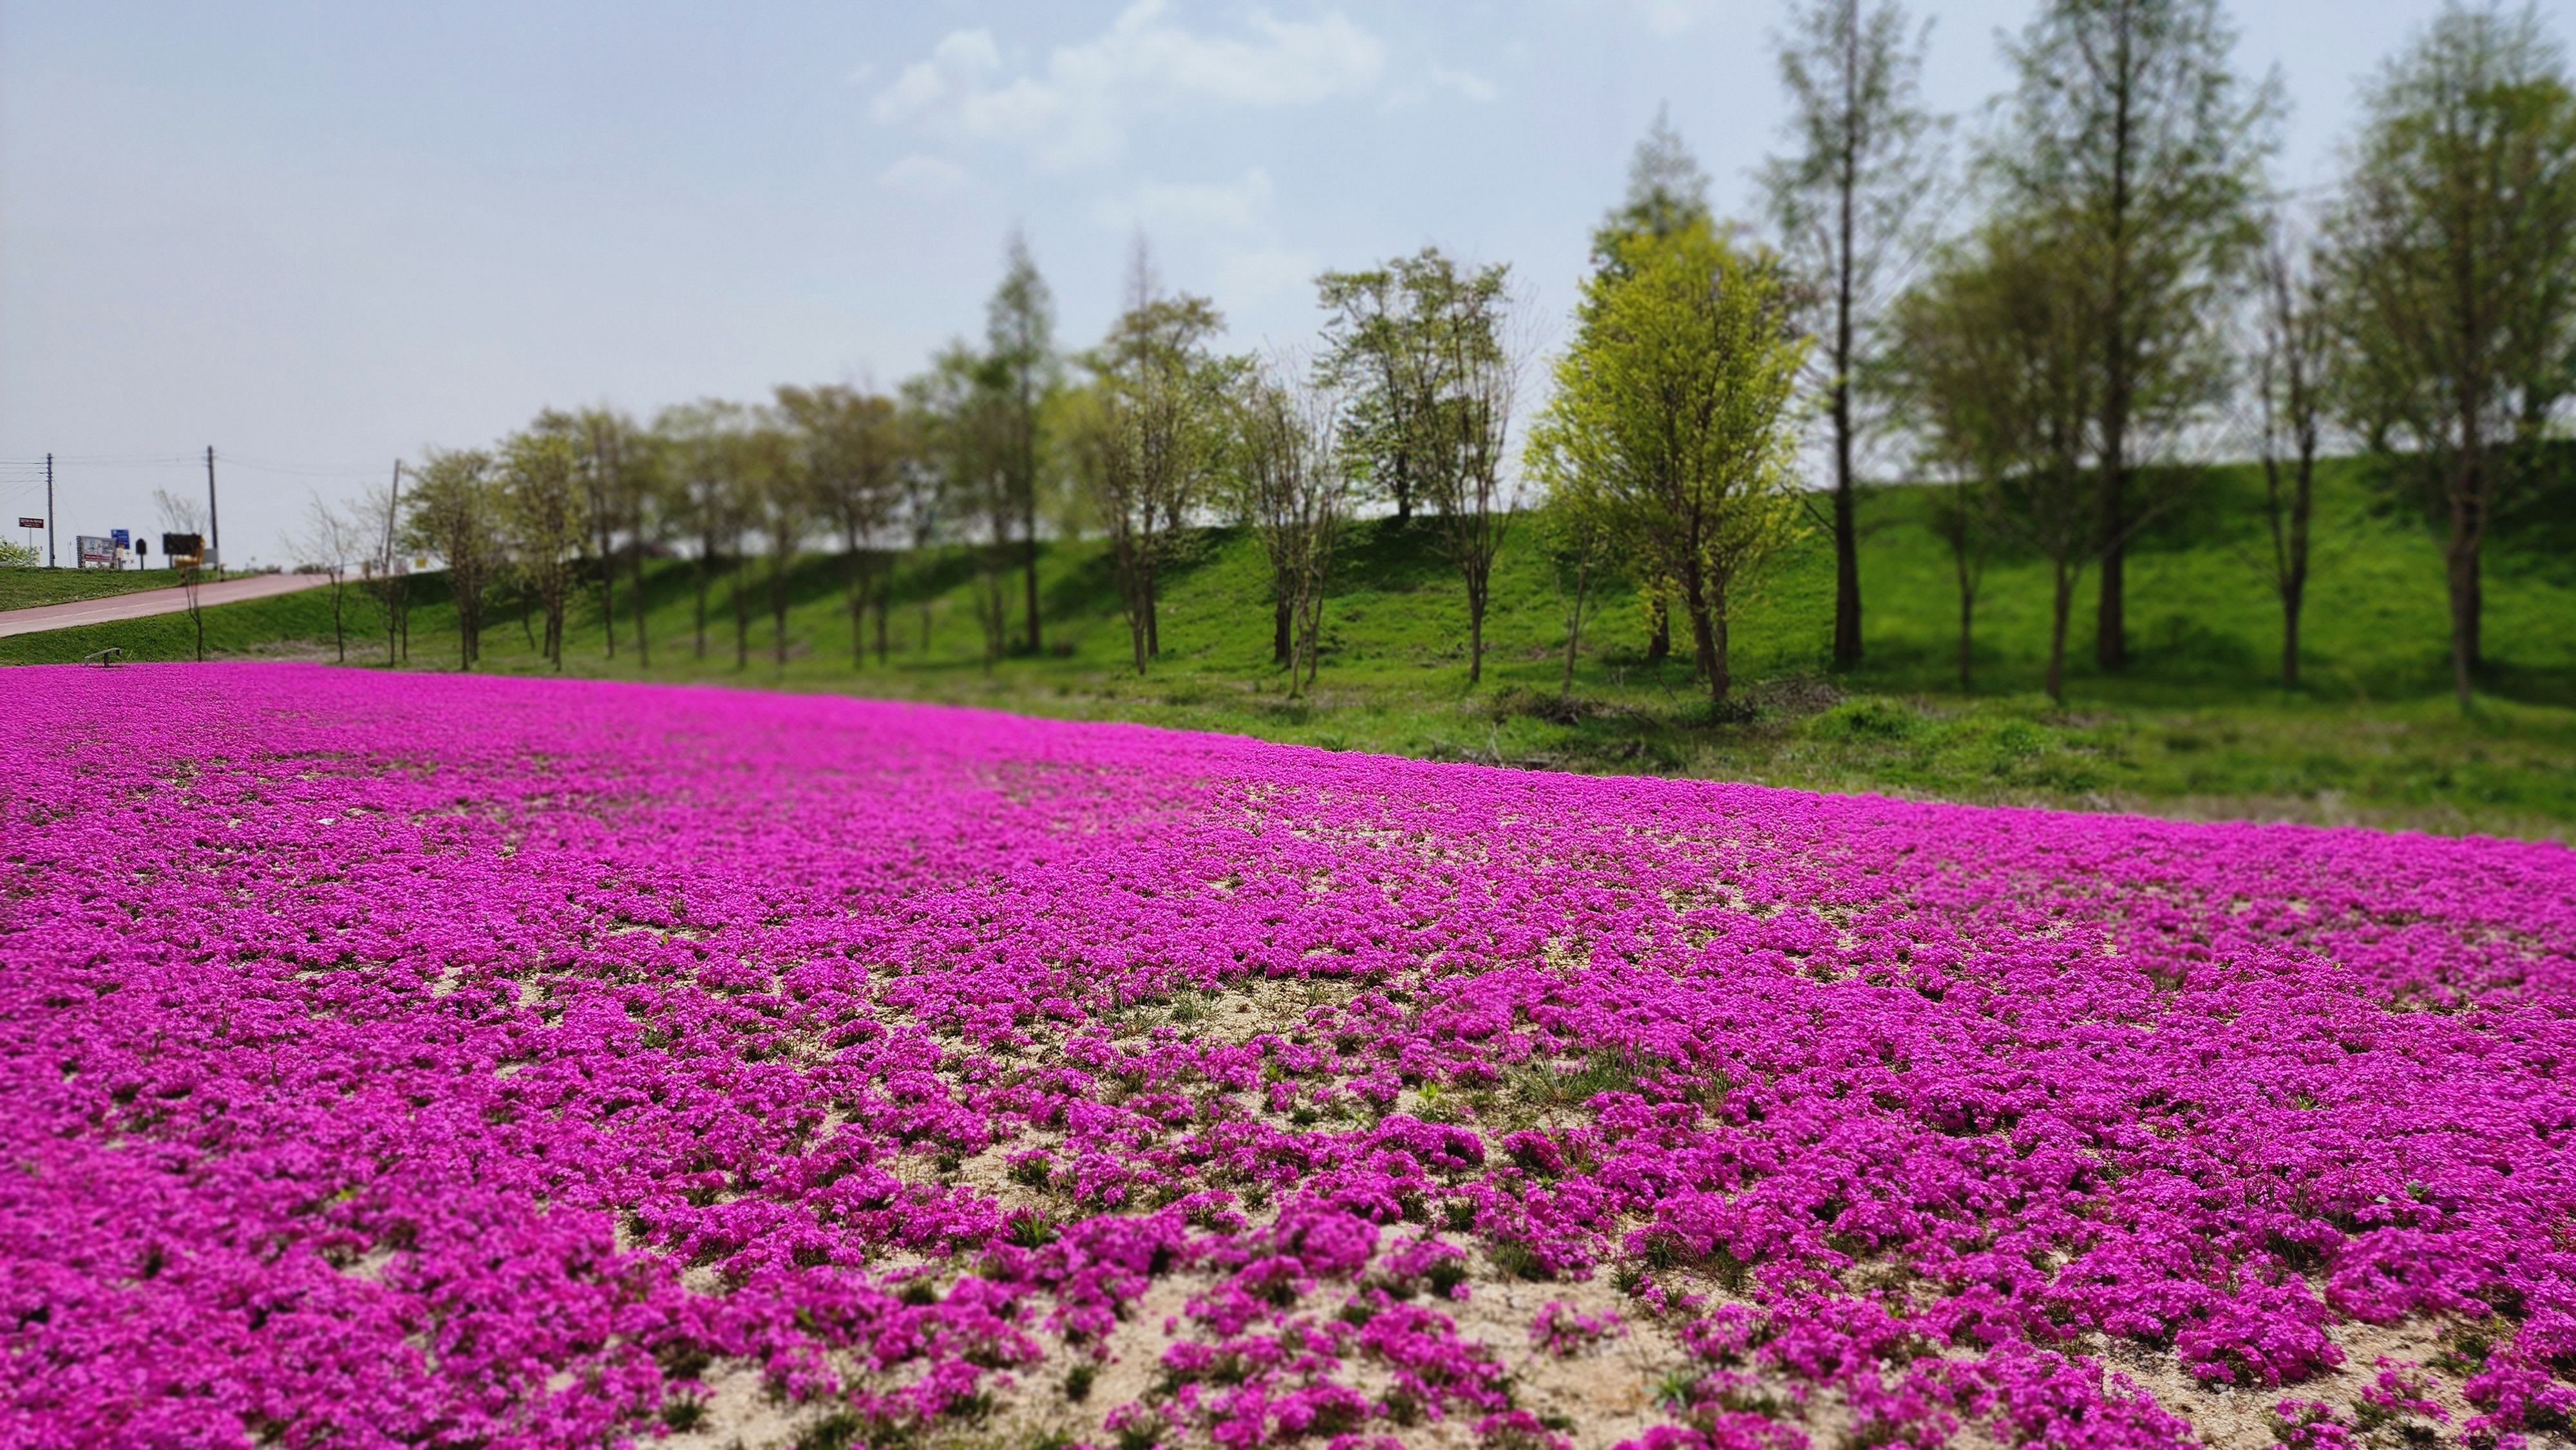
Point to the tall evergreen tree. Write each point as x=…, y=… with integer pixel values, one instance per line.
x=1023, y=369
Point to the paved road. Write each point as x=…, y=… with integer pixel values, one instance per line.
x=146, y=602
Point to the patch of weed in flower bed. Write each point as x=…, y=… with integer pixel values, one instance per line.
x=406, y=1060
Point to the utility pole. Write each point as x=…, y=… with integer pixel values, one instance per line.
x=395, y=597
x=49, y=513
x=213, y=527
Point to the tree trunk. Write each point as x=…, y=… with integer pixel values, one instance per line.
x=1659, y=636
x=1967, y=623
x=854, y=584
x=1029, y=526
x=1139, y=617
x=704, y=561
x=2064, y=604
x=741, y=615
x=1574, y=624
x=608, y=590
x=1153, y=626
x=1279, y=627
x=1723, y=678
x=1846, y=538
x=1704, y=649
x=2111, y=637
x=643, y=642
x=1475, y=638
x=1846, y=544
x=1704, y=640
x=2290, y=604
x=885, y=605
x=778, y=608
x=2462, y=559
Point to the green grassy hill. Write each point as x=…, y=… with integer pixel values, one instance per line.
x=27, y=588
x=2196, y=726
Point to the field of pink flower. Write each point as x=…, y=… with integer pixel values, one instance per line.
x=400, y=1060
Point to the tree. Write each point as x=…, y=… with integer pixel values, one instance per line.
x=640, y=495
x=1476, y=368
x=1845, y=200
x=1672, y=409
x=2454, y=255
x=1022, y=371
x=921, y=482
x=184, y=515
x=1151, y=436
x=698, y=448
x=958, y=406
x=454, y=513
x=852, y=453
x=1294, y=493
x=2133, y=144
x=1424, y=346
x=781, y=497
x=1574, y=530
x=546, y=514
x=378, y=519
x=1995, y=368
x=610, y=454
x=1368, y=360
x=1667, y=192
x=2293, y=358
x=331, y=540
x=1946, y=376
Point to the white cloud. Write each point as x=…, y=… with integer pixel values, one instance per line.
x=1232, y=206
x=1077, y=110
x=1671, y=17
x=1259, y=273
x=925, y=176
x=954, y=66
x=1473, y=87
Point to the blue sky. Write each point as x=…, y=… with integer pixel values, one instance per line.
x=322, y=235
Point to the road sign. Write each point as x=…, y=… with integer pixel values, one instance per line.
x=179, y=547
x=97, y=552
x=27, y=523
x=121, y=537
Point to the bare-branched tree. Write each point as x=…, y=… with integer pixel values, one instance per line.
x=1294, y=492
x=1151, y=436
x=2293, y=358
x=332, y=541
x=1848, y=199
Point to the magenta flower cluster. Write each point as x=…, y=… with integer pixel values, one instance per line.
x=420, y=1061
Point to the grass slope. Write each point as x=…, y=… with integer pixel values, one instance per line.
x=2196, y=726
x=27, y=588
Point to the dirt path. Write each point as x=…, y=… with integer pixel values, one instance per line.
x=145, y=603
